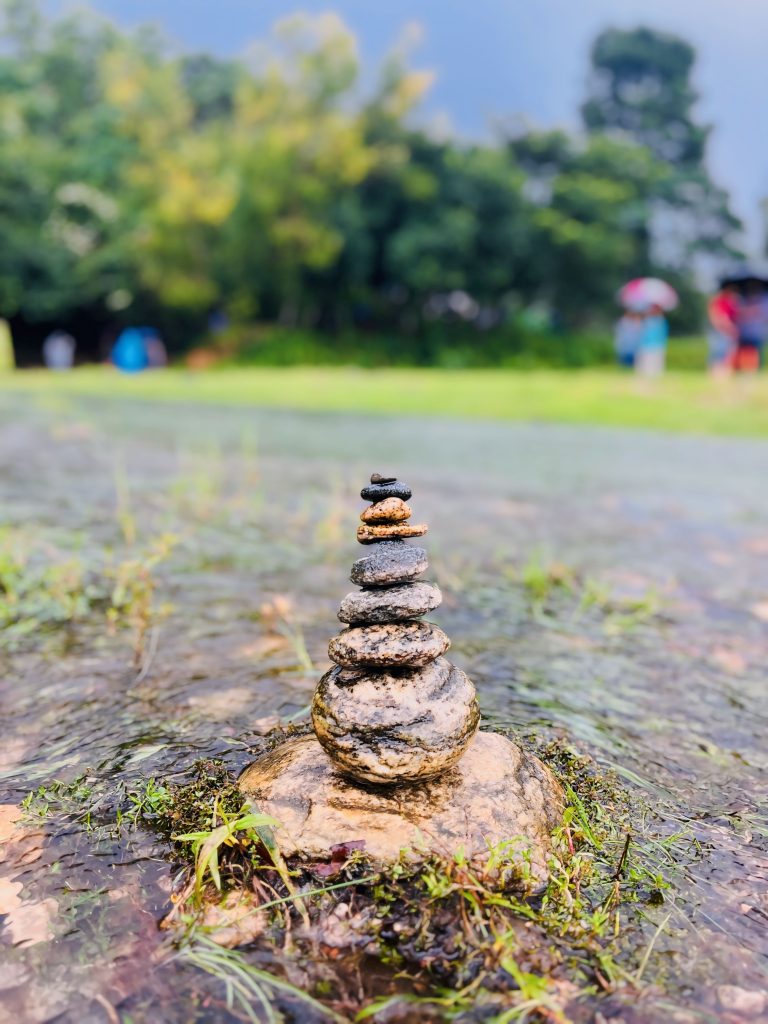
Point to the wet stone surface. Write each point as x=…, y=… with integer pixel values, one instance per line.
x=394, y=726
x=639, y=636
x=390, y=604
x=401, y=644
x=389, y=562
x=300, y=786
x=379, y=491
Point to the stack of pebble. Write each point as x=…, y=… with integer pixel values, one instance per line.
x=395, y=713
x=393, y=709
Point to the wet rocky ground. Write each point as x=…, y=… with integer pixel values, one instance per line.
x=171, y=577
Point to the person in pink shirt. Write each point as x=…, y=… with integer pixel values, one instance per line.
x=723, y=314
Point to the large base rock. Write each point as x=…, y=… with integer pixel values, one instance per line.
x=496, y=793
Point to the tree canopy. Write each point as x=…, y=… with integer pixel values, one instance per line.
x=142, y=185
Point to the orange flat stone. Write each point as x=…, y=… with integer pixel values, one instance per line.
x=392, y=531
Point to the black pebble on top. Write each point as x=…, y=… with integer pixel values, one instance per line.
x=390, y=489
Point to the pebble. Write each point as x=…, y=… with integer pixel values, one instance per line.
x=390, y=604
x=396, y=644
x=377, y=478
x=390, y=510
x=390, y=531
x=392, y=489
x=395, y=726
x=744, y=1001
x=389, y=562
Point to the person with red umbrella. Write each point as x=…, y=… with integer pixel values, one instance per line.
x=627, y=336
x=652, y=297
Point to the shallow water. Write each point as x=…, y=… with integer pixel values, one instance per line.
x=262, y=505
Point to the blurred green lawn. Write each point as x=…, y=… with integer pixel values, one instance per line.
x=681, y=401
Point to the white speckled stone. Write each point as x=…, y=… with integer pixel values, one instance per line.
x=389, y=562
x=390, y=604
x=391, y=645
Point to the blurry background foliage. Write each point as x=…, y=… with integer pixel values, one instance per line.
x=310, y=220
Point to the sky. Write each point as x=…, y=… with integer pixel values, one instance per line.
x=495, y=58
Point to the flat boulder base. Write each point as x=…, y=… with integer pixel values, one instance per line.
x=391, y=645
x=390, y=604
x=496, y=793
x=389, y=562
x=388, y=727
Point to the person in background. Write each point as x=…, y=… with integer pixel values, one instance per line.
x=627, y=337
x=723, y=334
x=752, y=323
x=59, y=351
x=7, y=357
x=652, y=353
x=129, y=352
x=157, y=354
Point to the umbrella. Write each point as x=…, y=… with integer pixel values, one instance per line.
x=648, y=291
x=745, y=273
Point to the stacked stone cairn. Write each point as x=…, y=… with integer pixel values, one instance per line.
x=392, y=709
x=396, y=761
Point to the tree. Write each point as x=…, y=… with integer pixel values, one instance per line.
x=297, y=149
x=640, y=89
x=469, y=231
x=146, y=186
x=590, y=201
x=62, y=251
x=210, y=84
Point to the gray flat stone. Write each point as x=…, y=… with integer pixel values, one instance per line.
x=496, y=793
x=390, y=604
x=389, y=562
x=390, y=645
x=395, y=726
